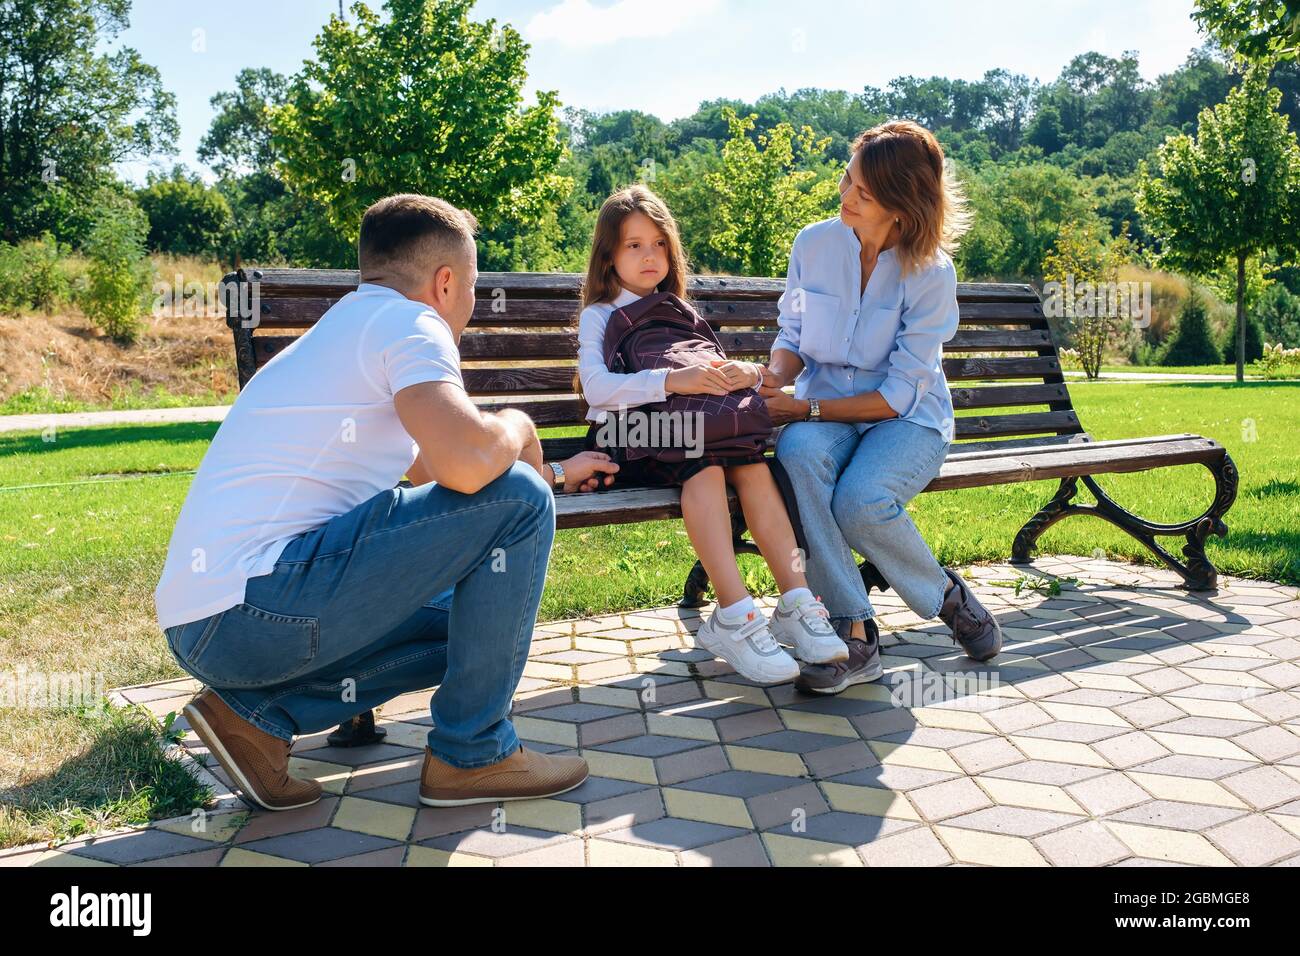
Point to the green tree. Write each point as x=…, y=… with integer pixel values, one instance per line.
x=761, y=199
x=1193, y=341
x=238, y=141
x=1019, y=212
x=1256, y=30
x=69, y=109
x=1254, y=343
x=1232, y=192
x=1279, y=314
x=423, y=100
x=1081, y=259
x=186, y=217
x=684, y=186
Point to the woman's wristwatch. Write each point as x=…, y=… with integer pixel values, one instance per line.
x=558, y=471
x=814, y=411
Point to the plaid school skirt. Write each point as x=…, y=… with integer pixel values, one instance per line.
x=653, y=473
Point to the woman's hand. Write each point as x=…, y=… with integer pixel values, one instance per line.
x=783, y=407
x=697, y=380
x=586, y=471
x=740, y=374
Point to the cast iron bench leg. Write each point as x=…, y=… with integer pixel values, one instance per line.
x=1197, y=572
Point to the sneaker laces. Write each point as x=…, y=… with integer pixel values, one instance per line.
x=814, y=614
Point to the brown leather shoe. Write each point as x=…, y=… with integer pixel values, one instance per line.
x=257, y=762
x=524, y=775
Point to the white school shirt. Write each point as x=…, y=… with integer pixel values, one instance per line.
x=606, y=391
x=312, y=435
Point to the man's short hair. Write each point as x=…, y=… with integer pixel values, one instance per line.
x=411, y=235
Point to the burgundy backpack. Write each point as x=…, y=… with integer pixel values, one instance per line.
x=661, y=331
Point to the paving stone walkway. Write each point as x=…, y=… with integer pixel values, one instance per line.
x=1125, y=723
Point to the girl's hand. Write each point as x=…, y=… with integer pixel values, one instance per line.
x=587, y=470
x=697, y=380
x=740, y=374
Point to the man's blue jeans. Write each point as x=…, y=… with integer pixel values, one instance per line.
x=414, y=588
x=853, y=483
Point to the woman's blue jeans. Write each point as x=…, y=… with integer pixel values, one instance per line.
x=853, y=483
x=414, y=588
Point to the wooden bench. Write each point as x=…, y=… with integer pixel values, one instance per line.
x=1015, y=419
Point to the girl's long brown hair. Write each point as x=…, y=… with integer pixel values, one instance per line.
x=601, y=283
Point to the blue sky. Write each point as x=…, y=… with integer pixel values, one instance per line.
x=665, y=56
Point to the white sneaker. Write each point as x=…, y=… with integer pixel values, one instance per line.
x=748, y=647
x=807, y=628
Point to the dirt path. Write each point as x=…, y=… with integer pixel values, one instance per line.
x=202, y=413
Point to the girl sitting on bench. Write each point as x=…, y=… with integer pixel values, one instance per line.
x=637, y=275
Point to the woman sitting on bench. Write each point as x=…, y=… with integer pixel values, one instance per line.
x=870, y=299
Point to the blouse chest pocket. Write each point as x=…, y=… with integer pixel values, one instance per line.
x=876, y=335
x=819, y=332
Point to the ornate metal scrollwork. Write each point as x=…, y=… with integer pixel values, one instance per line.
x=1197, y=572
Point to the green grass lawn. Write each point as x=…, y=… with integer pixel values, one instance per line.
x=41, y=401
x=85, y=520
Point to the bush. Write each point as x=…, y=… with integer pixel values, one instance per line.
x=1278, y=362
x=1192, y=342
x=186, y=217
x=32, y=276
x=1254, y=341
x=120, y=275
x=1279, y=314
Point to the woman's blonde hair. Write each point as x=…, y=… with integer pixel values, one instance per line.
x=601, y=283
x=903, y=167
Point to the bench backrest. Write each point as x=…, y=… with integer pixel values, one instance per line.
x=521, y=345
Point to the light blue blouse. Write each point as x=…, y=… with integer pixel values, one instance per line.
x=888, y=339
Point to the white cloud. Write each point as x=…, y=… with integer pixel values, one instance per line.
x=578, y=23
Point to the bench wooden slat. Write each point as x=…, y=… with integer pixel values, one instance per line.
x=1031, y=423
x=335, y=283
x=559, y=378
x=992, y=369
x=1006, y=396
x=521, y=346
x=1003, y=446
x=301, y=312
x=565, y=410
x=971, y=451
x=1091, y=458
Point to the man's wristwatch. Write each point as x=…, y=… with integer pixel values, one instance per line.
x=814, y=411
x=558, y=470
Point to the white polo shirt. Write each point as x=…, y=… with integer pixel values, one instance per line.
x=312, y=435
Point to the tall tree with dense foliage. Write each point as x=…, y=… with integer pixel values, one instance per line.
x=1256, y=30
x=762, y=198
x=1019, y=212
x=423, y=99
x=1231, y=192
x=69, y=111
